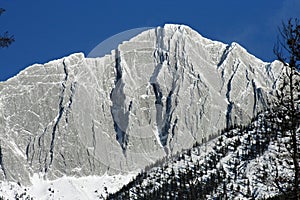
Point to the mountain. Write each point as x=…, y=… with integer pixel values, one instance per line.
x=244, y=162
x=153, y=96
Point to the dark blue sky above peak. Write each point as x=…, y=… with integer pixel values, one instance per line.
x=47, y=30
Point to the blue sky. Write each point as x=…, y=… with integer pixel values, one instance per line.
x=47, y=30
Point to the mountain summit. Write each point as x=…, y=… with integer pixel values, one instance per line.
x=154, y=95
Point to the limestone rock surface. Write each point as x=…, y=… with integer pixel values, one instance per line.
x=154, y=95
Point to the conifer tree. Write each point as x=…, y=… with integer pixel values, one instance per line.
x=288, y=53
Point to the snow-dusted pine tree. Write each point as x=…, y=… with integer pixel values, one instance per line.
x=288, y=107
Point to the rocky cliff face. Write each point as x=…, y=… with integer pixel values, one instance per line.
x=156, y=94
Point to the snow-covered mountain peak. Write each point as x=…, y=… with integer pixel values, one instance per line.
x=154, y=95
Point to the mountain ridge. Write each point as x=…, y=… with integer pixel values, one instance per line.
x=157, y=93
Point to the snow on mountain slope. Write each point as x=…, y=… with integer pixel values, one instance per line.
x=154, y=95
x=90, y=187
x=243, y=163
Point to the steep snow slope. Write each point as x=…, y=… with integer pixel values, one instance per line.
x=156, y=94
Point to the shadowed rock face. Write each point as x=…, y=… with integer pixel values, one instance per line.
x=154, y=95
